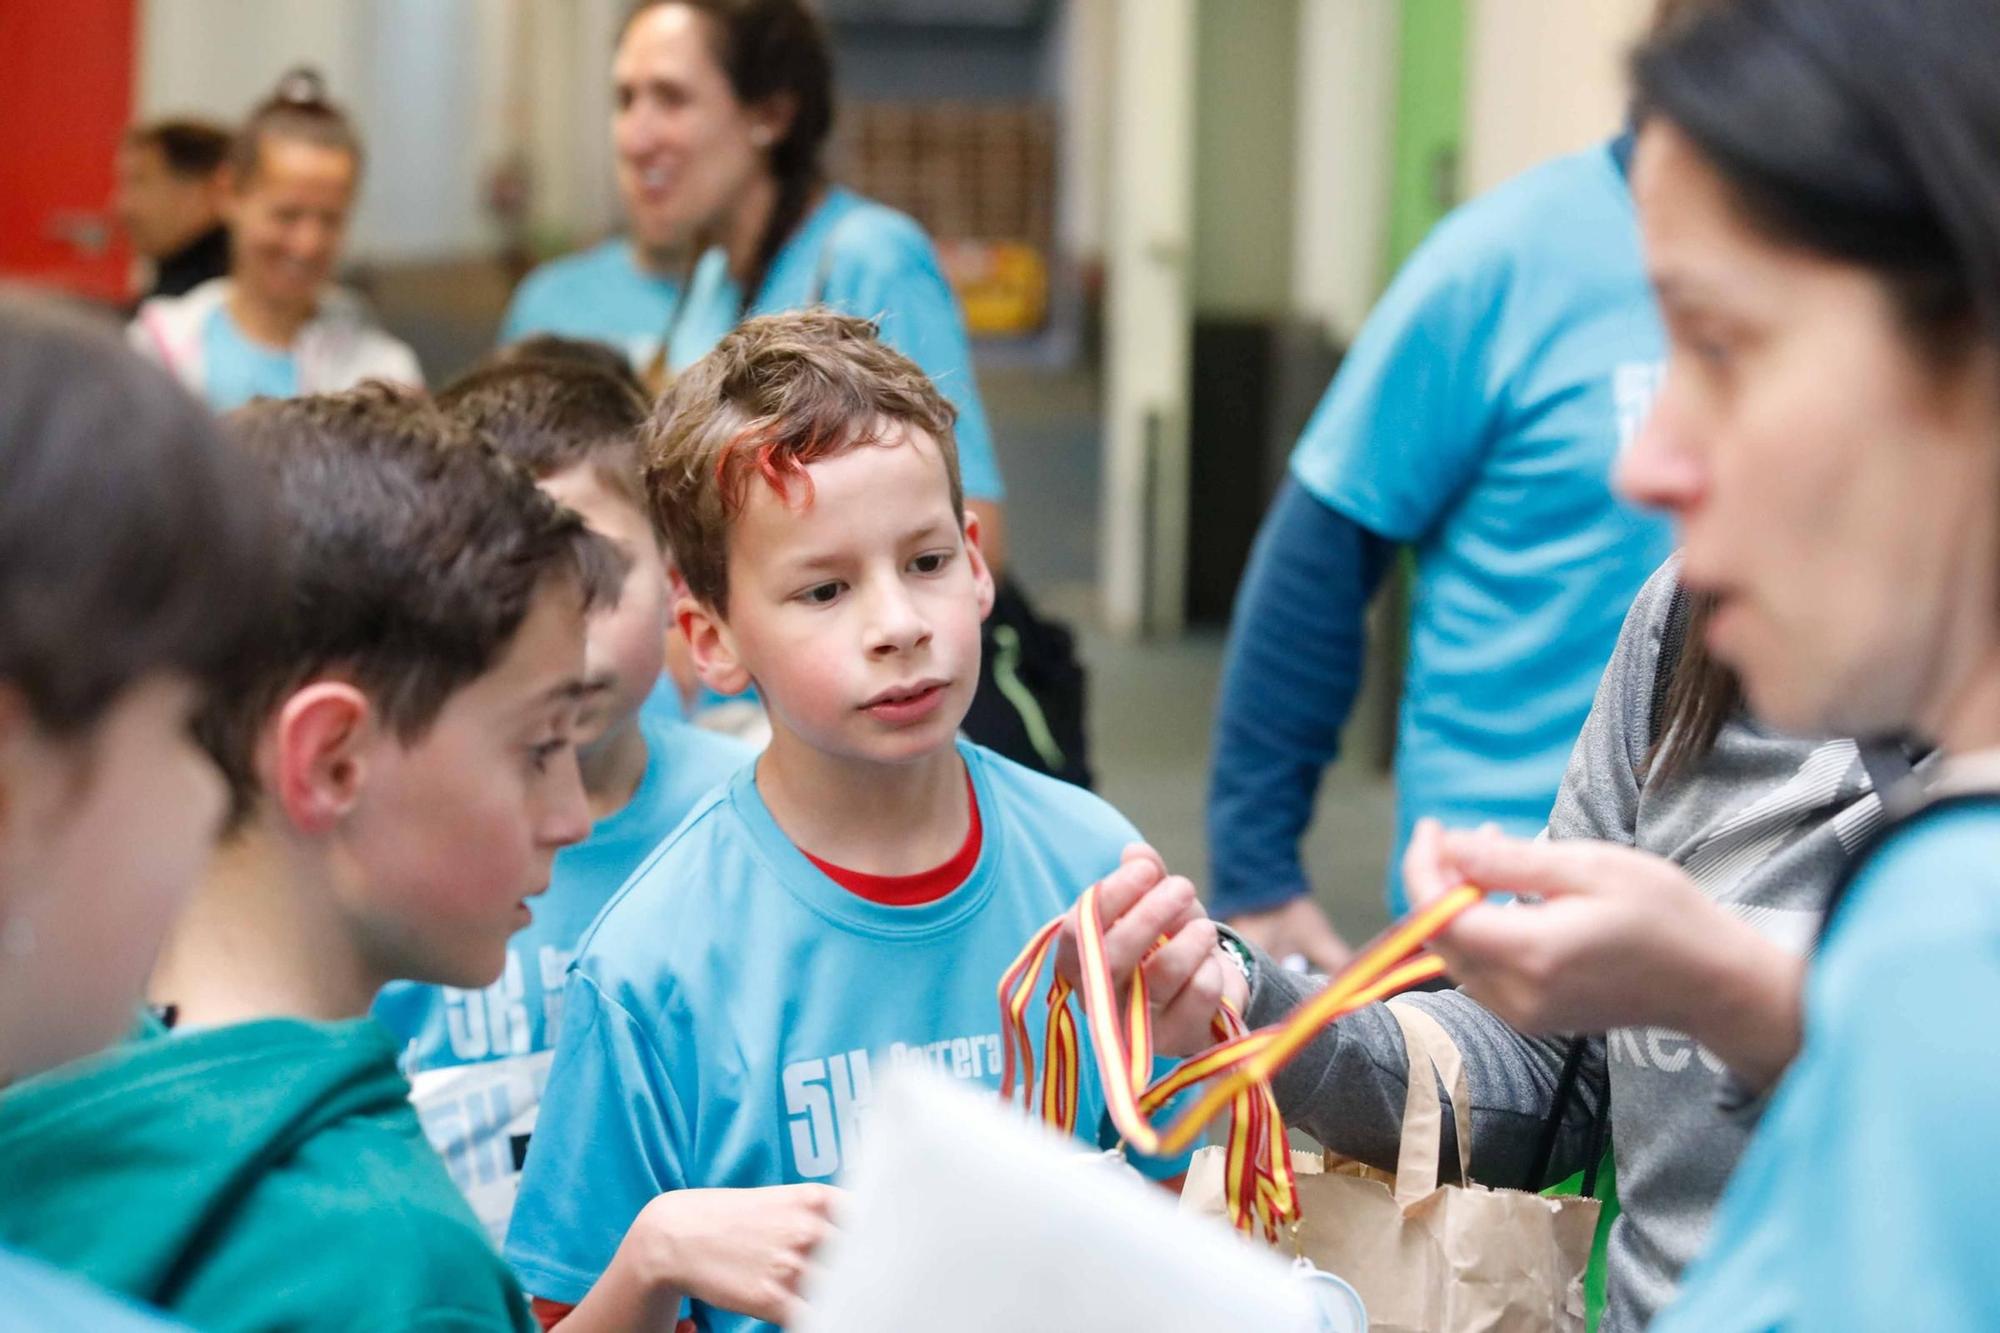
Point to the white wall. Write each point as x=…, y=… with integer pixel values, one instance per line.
x=1546, y=77
x=1347, y=54
x=1147, y=344
x=567, y=107
x=1086, y=46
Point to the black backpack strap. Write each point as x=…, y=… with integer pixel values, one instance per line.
x=1545, y=1146
x=1569, y=1084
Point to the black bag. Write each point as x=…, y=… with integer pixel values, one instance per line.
x=1030, y=702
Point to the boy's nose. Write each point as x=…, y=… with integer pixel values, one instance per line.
x=566, y=821
x=896, y=624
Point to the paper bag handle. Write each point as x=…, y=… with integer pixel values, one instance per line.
x=1433, y=1057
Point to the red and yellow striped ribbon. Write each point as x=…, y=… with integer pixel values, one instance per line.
x=1234, y=1074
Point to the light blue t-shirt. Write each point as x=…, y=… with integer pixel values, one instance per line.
x=35, y=1298
x=235, y=369
x=728, y=1014
x=1866, y=1199
x=599, y=293
x=866, y=259
x=1477, y=418
x=477, y=1060
x=664, y=703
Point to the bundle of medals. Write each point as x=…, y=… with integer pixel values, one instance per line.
x=1233, y=1075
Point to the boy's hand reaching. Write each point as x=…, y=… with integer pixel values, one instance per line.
x=744, y=1250
x=1186, y=976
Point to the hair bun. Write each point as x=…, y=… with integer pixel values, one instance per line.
x=301, y=86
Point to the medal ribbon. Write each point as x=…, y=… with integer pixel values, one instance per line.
x=1234, y=1075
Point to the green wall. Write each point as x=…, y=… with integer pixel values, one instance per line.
x=1430, y=120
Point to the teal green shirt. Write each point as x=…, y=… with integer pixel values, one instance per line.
x=258, y=1176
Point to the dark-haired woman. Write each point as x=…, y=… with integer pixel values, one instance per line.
x=277, y=327
x=722, y=112
x=1819, y=186
x=1760, y=825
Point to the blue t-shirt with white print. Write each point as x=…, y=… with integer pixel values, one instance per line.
x=728, y=1014
x=1478, y=418
x=865, y=259
x=599, y=293
x=1865, y=1200
x=477, y=1059
x=235, y=370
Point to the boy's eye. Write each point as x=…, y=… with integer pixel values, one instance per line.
x=540, y=756
x=931, y=562
x=820, y=594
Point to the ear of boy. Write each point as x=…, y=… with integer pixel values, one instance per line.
x=711, y=647
x=317, y=753
x=975, y=551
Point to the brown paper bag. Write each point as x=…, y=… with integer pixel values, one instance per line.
x=1428, y=1258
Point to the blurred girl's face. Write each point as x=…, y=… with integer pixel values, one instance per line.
x=1836, y=489
x=102, y=837
x=687, y=149
x=288, y=219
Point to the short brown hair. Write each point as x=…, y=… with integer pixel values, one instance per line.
x=552, y=416
x=413, y=553
x=192, y=149
x=579, y=351
x=777, y=394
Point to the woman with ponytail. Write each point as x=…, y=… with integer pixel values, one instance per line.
x=277, y=327
x=721, y=114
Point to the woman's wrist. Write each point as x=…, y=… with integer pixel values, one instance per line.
x=1743, y=1003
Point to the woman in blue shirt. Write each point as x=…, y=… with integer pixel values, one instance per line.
x=722, y=109
x=1819, y=190
x=277, y=325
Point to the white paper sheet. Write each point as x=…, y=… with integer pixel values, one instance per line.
x=965, y=1218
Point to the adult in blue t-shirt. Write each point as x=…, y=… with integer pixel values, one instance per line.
x=477, y=1059
x=1475, y=421
x=721, y=116
x=727, y=1015
x=611, y=293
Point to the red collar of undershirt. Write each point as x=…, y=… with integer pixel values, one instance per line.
x=926, y=886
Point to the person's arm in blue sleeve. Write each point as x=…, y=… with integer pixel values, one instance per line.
x=1296, y=644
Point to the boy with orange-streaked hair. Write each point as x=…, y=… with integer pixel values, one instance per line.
x=850, y=901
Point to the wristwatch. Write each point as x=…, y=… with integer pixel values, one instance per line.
x=1238, y=953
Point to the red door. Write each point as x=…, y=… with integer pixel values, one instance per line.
x=66, y=78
